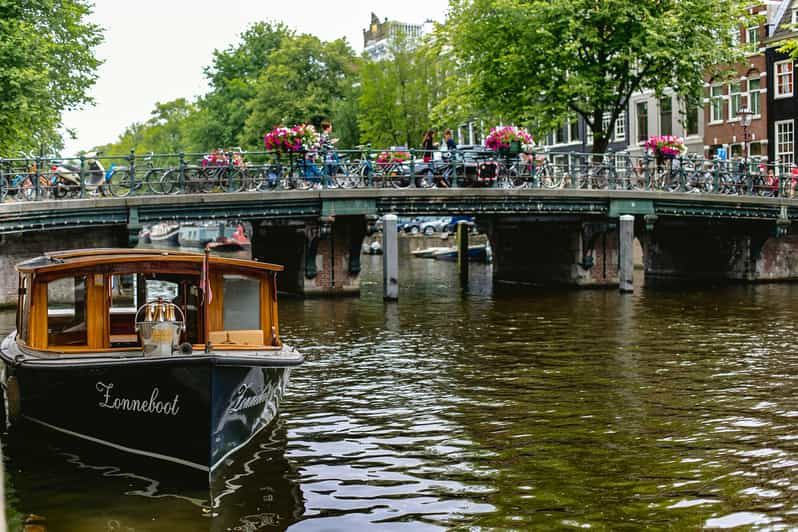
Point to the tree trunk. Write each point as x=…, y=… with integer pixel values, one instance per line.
x=600, y=143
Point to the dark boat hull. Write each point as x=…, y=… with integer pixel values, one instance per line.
x=195, y=411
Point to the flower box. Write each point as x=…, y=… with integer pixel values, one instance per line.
x=665, y=147
x=508, y=140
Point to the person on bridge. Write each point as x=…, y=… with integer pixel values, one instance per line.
x=448, y=140
x=428, y=145
x=327, y=149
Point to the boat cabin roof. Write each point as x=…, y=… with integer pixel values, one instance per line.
x=58, y=261
x=93, y=300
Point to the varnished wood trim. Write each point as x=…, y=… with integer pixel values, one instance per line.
x=216, y=308
x=38, y=316
x=79, y=259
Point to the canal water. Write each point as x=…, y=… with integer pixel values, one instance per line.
x=494, y=408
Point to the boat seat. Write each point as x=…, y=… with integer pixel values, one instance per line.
x=242, y=337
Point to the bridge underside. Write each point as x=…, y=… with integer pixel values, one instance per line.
x=321, y=257
x=678, y=251
x=538, y=236
x=563, y=251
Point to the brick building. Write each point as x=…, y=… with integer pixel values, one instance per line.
x=747, y=88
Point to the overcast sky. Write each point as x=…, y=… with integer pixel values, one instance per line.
x=154, y=51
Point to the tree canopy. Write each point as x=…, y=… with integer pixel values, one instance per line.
x=542, y=60
x=233, y=79
x=47, y=65
x=302, y=82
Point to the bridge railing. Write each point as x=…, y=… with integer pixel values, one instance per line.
x=31, y=178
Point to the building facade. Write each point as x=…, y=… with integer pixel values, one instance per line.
x=666, y=115
x=377, y=36
x=782, y=100
x=746, y=89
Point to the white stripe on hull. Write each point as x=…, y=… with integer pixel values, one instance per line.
x=141, y=452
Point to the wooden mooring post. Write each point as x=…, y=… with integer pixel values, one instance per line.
x=390, y=258
x=626, y=266
x=462, y=251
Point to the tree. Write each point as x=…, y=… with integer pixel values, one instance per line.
x=47, y=65
x=167, y=131
x=233, y=77
x=543, y=60
x=398, y=94
x=304, y=82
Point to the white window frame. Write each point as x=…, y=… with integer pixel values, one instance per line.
x=758, y=96
x=776, y=84
x=778, y=152
x=755, y=31
x=735, y=96
x=620, y=127
x=712, y=97
x=637, y=137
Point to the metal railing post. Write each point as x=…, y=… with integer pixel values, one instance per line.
x=369, y=169
x=646, y=172
x=229, y=171
x=83, y=176
x=749, y=179
x=453, y=161
x=181, y=174
x=37, y=189
x=412, y=167
x=3, y=191
x=611, y=168
x=716, y=176
x=682, y=185
x=132, y=171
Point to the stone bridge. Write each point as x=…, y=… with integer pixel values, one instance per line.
x=567, y=237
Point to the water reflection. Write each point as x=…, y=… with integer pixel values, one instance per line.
x=502, y=409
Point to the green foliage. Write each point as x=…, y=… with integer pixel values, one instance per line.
x=167, y=131
x=233, y=77
x=47, y=65
x=544, y=60
x=303, y=82
x=397, y=94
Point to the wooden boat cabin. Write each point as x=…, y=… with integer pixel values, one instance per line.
x=86, y=301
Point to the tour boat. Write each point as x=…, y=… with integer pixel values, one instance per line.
x=237, y=241
x=170, y=355
x=164, y=234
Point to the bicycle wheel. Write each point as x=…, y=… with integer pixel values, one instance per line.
x=547, y=178
x=599, y=178
x=516, y=176
x=169, y=182
x=268, y=177
x=230, y=180
x=209, y=179
x=151, y=182
x=398, y=176
x=119, y=184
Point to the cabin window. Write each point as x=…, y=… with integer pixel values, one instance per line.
x=241, y=303
x=123, y=309
x=66, y=311
x=183, y=292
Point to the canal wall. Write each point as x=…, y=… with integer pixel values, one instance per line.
x=18, y=247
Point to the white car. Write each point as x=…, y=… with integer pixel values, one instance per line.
x=427, y=226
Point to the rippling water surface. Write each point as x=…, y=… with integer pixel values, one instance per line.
x=495, y=408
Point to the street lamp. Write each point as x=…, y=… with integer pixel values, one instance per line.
x=745, y=115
